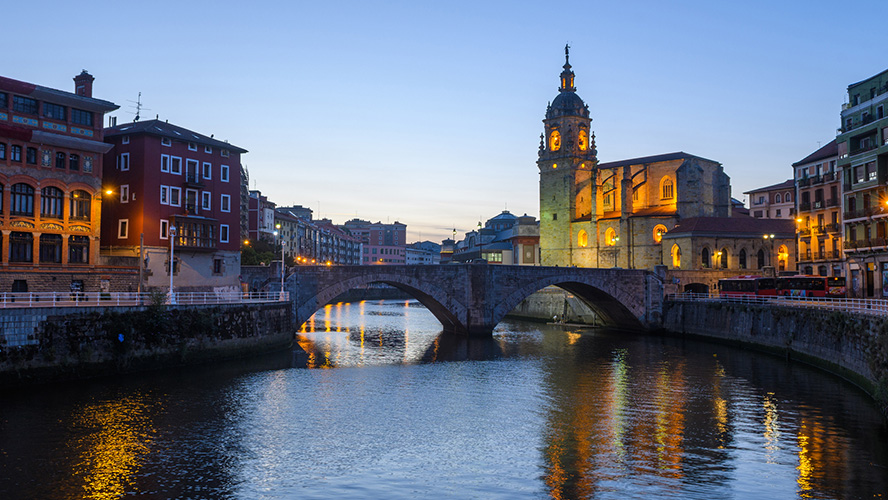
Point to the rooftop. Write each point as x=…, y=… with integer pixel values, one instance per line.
x=749, y=227
x=787, y=184
x=680, y=155
x=166, y=129
x=831, y=149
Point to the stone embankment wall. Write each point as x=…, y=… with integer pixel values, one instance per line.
x=67, y=343
x=854, y=346
x=550, y=302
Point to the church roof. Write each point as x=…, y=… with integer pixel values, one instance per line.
x=737, y=227
x=680, y=155
x=567, y=102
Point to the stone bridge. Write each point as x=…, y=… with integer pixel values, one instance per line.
x=471, y=299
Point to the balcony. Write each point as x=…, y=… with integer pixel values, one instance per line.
x=860, y=245
x=832, y=228
x=804, y=207
x=192, y=180
x=804, y=233
x=832, y=202
x=804, y=181
x=818, y=204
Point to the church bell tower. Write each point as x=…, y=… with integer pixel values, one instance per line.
x=567, y=163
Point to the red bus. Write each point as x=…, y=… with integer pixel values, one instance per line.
x=746, y=285
x=811, y=286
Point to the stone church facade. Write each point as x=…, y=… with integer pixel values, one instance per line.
x=614, y=214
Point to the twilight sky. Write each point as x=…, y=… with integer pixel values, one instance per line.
x=429, y=113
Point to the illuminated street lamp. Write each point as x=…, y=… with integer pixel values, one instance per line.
x=173, y=232
x=278, y=232
x=770, y=237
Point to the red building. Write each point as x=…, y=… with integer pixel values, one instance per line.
x=51, y=154
x=383, y=244
x=164, y=176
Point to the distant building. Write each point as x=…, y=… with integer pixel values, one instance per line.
x=383, y=244
x=51, y=197
x=315, y=242
x=773, y=202
x=165, y=176
x=862, y=148
x=504, y=239
x=261, y=219
x=423, y=253
x=819, y=219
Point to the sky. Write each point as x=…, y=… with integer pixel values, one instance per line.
x=430, y=113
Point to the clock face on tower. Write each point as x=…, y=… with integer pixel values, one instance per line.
x=583, y=140
x=554, y=141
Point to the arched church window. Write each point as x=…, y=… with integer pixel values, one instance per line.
x=761, y=259
x=741, y=259
x=676, y=257
x=705, y=260
x=583, y=140
x=610, y=237
x=777, y=198
x=659, y=231
x=723, y=258
x=555, y=140
x=583, y=238
x=667, y=191
x=787, y=197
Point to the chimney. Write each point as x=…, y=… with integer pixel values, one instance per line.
x=83, y=84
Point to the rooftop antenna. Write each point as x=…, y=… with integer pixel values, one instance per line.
x=139, y=108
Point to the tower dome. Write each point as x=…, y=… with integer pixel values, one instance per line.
x=567, y=103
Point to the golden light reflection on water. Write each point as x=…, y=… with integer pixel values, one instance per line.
x=772, y=428
x=113, y=437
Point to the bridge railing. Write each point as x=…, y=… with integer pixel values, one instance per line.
x=860, y=306
x=98, y=299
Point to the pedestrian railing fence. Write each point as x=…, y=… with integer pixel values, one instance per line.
x=99, y=299
x=861, y=306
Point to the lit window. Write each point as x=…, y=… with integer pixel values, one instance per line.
x=668, y=191
x=610, y=237
x=659, y=231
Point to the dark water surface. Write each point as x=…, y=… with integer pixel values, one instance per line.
x=392, y=409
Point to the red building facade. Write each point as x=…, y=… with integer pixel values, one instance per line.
x=163, y=176
x=51, y=154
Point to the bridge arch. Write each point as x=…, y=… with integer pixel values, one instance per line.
x=606, y=300
x=442, y=305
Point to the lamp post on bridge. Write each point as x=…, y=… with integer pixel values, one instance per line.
x=278, y=233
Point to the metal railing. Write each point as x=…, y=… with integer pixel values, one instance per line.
x=859, y=306
x=99, y=299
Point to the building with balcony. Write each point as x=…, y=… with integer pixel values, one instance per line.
x=423, y=253
x=51, y=154
x=261, y=218
x=315, y=242
x=819, y=217
x=862, y=144
x=773, y=202
x=163, y=176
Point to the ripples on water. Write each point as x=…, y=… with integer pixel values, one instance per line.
x=391, y=409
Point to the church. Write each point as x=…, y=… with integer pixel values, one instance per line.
x=616, y=214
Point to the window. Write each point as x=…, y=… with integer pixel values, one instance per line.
x=777, y=198
x=122, y=229
x=164, y=195
x=191, y=173
x=223, y=173
x=2, y=151
x=51, y=203
x=217, y=266
x=191, y=200
x=164, y=229
x=205, y=200
x=175, y=196
x=123, y=162
x=124, y=193
x=53, y=111
x=166, y=141
x=676, y=257
x=175, y=165
x=22, y=200
x=787, y=198
x=51, y=248
x=223, y=233
x=610, y=237
x=554, y=216
x=61, y=160
x=225, y=205
x=164, y=163
x=124, y=139
x=778, y=214
x=659, y=231
x=705, y=261
x=207, y=170
x=31, y=156
x=81, y=203
x=16, y=153
x=24, y=105
x=224, y=153
x=192, y=146
x=21, y=247
x=668, y=190
x=3, y=101
x=208, y=149
x=74, y=162
x=583, y=239
x=78, y=250
x=741, y=259
x=81, y=117
x=871, y=171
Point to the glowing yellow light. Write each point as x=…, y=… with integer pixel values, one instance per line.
x=329, y=263
x=554, y=165
x=108, y=191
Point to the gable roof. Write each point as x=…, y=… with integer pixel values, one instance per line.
x=680, y=155
x=787, y=184
x=166, y=129
x=831, y=149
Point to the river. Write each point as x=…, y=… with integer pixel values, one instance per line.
x=390, y=408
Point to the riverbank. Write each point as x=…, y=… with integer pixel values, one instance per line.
x=853, y=346
x=80, y=343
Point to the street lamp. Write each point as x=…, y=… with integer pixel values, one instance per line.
x=480, y=242
x=173, y=232
x=770, y=237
